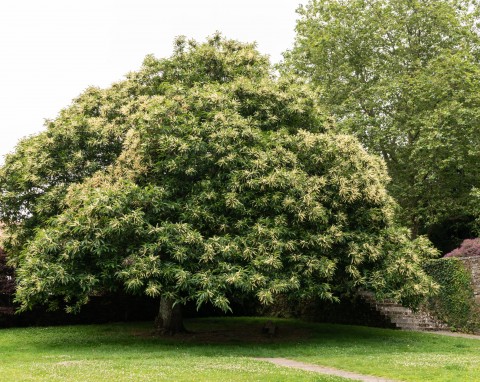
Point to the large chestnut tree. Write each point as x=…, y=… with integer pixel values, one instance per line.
x=197, y=178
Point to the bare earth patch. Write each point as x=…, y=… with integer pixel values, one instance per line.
x=247, y=333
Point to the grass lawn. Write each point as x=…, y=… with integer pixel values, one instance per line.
x=221, y=350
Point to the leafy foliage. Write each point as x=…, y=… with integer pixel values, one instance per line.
x=221, y=180
x=455, y=303
x=85, y=138
x=404, y=77
x=469, y=247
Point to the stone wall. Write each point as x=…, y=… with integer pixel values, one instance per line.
x=473, y=264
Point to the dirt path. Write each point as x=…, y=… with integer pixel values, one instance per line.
x=324, y=370
x=455, y=334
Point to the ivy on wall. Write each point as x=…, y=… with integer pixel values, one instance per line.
x=455, y=303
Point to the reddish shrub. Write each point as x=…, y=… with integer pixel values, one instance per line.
x=469, y=247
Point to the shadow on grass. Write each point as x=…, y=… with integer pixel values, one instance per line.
x=232, y=336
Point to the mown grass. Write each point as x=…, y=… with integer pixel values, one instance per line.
x=222, y=349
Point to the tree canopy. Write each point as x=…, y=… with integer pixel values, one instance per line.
x=404, y=77
x=199, y=177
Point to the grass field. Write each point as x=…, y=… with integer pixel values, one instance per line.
x=220, y=349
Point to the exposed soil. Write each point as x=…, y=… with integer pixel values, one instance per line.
x=248, y=333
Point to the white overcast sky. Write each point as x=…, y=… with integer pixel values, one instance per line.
x=51, y=50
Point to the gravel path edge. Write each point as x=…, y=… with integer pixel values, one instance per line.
x=324, y=370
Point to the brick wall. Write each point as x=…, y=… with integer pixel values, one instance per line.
x=473, y=264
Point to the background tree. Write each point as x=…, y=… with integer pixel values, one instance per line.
x=475, y=207
x=221, y=180
x=404, y=77
x=7, y=282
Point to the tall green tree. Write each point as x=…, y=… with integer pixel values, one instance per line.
x=404, y=77
x=219, y=180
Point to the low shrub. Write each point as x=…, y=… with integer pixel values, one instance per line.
x=469, y=247
x=455, y=302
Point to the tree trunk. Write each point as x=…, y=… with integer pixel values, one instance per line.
x=415, y=228
x=169, y=319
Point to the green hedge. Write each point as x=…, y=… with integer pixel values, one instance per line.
x=455, y=303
